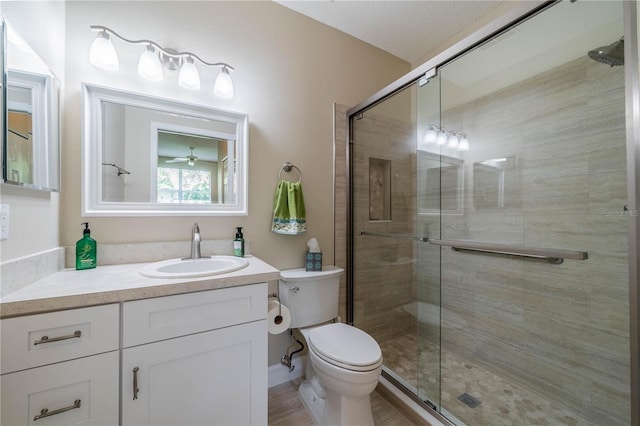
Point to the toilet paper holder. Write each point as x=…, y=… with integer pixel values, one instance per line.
x=278, y=318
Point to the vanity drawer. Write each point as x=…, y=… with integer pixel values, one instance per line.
x=36, y=340
x=83, y=391
x=151, y=320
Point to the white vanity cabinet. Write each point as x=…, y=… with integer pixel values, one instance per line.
x=197, y=358
x=61, y=368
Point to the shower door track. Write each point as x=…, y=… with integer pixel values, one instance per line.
x=554, y=256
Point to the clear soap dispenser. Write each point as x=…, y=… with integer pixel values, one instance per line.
x=86, y=250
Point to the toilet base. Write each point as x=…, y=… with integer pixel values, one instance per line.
x=335, y=410
x=312, y=402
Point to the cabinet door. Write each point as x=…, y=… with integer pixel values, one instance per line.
x=217, y=377
x=79, y=392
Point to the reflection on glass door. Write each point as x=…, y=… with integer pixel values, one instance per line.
x=384, y=267
x=524, y=340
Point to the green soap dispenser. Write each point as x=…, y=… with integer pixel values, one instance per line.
x=86, y=250
x=238, y=243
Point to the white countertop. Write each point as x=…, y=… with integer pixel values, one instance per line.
x=119, y=283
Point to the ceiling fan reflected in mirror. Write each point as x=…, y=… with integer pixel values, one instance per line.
x=190, y=160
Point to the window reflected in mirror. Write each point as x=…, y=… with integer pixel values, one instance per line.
x=19, y=135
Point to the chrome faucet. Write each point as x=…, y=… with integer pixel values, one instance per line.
x=195, y=243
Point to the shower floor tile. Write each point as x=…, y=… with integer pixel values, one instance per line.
x=502, y=403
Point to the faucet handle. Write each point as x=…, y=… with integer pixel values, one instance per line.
x=196, y=228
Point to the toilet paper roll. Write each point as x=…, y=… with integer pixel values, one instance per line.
x=278, y=317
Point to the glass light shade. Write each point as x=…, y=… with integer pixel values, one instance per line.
x=430, y=135
x=442, y=138
x=149, y=65
x=223, y=86
x=189, y=77
x=464, y=144
x=454, y=140
x=103, y=54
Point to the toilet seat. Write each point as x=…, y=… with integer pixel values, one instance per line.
x=345, y=346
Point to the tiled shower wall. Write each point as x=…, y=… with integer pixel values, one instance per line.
x=561, y=330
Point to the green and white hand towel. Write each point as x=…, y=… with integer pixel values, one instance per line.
x=289, y=217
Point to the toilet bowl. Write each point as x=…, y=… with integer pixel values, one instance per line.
x=344, y=362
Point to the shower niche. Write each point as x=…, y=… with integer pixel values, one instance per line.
x=379, y=189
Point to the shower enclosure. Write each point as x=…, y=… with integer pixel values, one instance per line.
x=489, y=225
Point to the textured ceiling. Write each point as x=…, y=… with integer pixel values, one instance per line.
x=406, y=29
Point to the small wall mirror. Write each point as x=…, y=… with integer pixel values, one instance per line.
x=31, y=141
x=495, y=184
x=148, y=156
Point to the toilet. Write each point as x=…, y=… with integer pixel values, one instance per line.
x=344, y=362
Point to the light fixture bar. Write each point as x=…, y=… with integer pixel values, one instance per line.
x=167, y=52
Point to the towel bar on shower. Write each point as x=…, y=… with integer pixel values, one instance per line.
x=555, y=256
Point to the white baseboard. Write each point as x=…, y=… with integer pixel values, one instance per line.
x=279, y=373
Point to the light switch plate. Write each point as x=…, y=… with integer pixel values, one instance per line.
x=4, y=221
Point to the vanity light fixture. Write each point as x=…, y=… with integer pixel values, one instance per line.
x=453, y=140
x=463, y=145
x=149, y=65
x=431, y=134
x=103, y=54
x=154, y=58
x=446, y=138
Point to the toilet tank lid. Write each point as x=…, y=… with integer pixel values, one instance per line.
x=301, y=274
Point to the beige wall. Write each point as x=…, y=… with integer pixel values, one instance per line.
x=287, y=78
x=34, y=215
x=289, y=71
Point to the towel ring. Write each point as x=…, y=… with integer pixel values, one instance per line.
x=287, y=167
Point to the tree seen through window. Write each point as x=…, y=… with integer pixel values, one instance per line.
x=177, y=185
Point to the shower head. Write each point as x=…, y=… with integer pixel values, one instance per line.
x=612, y=54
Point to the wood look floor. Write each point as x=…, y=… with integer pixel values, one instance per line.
x=286, y=408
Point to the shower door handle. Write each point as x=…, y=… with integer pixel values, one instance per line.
x=396, y=236
x=555, y=256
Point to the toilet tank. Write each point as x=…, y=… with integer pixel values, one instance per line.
x=312, y=297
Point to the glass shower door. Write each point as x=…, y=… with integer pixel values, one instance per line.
x=383, y=214
x=433, y=170
x=527, y=339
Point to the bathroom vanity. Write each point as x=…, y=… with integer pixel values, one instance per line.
x=109, y=346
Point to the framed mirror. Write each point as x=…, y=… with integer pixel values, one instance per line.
x=496, y=185
x=149, y=156
x=30, y=122
x=440, y=184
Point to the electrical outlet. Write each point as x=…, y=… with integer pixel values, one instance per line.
x=4, y=221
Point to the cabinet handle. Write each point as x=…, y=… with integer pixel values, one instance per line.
x=135, y=383
x=46, y=413
x=47, y=339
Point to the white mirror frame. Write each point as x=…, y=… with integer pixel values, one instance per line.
x=92, y=135
x=33, y=74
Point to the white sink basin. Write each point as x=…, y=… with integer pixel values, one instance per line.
x=189, y=268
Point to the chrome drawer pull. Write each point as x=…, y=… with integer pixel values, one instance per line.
x=47, y=339
x=46, y=413
x=135, y=383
